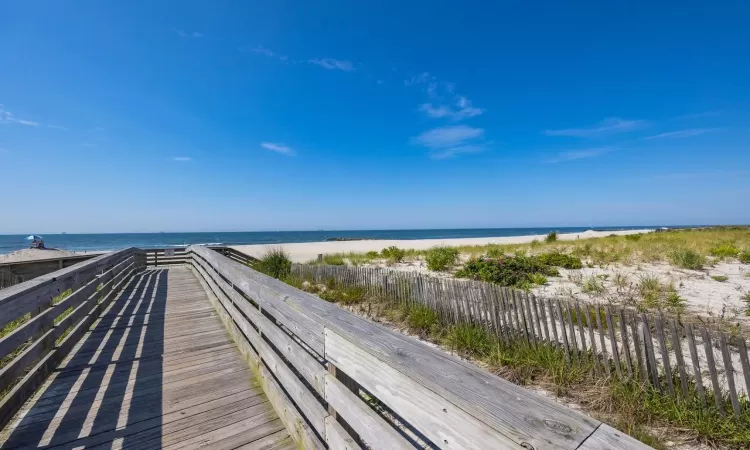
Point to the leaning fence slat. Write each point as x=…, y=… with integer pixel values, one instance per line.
x=529, y=315
x=659, y=324
x=648, y=344
x=594, y=353
x=572, y=335
x=712, y=369
x=696, y=364
x=729, y=372
x=543, y=311
x=742, y=348
x=605, y=356
x=625, y=343
x=677, y=347
x=581, y=332
x=613, y=341
x=535, y=307
x=640, y=358
x=553, y=325
x=563, y=333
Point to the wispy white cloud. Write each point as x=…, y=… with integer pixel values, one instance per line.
x=450, y=141
x=333, y=64
x=462, y=110
x=8, y=117
x=578, y=154
x=182, y=158
x=187, y=34
x=420, y=78
x=278, y=148
x=259, y=49
x=608, y=126
x=682, y=133
x=57, y=127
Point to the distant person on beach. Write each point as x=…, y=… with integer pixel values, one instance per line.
x=37, y=243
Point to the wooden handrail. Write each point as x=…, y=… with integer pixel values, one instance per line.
x=321, y=365
x=44, y=325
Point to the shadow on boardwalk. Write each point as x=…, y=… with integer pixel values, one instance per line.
x=113, y=378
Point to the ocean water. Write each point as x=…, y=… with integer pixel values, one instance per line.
x=113, y=241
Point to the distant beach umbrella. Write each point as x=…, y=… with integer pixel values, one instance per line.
x=34, y=237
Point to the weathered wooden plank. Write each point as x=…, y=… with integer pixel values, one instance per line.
x=280, y=300
x=711, y=366
x=29, y=296
x=677, y=347
x=303, y=362
x=742, y=349
x=397, y=379
x=15, y=398
x=607, y=438
x=563, y=333
x=648, y=344
x=639, y=356
x=659, y=324
x=337, y=438
x=553, y=325
x=625, y=341
x=729, y=373
x=581, y=331
x=372, y=429
x=613, y=341
x=605, y=353
x=696, y=364
x=542, y=309
x=594, y=353
x=43, y=321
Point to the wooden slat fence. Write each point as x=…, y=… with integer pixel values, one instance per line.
x=675, y=357
x=42, y=319
x=340, y=381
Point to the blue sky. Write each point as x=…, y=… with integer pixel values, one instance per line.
x=293, y=115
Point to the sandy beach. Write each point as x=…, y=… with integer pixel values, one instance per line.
x=306, y=251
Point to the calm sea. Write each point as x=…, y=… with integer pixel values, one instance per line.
x=84, y=242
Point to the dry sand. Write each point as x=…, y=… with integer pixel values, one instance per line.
x=306, y=251
x=35, y=254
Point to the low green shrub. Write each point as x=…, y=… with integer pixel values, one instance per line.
x=470, y=340
x=372, y=254
x=538, y=278
x=633, y=237
x=560, y=260
x=441, y=258
x=551, y=237
x=744, y=257
x=275, y=262
x=421, y=318
x=687, y=259
x=720, y=278
x=393, y=254
x=507, y=271
x=724, y=250
x=335, y=259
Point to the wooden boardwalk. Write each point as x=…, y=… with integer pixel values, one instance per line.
x=158, y=370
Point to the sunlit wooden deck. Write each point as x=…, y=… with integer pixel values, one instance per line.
x=158, y=370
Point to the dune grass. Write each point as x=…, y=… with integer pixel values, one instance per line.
x=689, y=249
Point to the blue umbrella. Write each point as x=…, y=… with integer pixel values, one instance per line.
x=34, y=237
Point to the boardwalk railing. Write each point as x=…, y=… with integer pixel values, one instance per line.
x=675, y=356
x=43, y=318
x=18, y=272
x=340, y=381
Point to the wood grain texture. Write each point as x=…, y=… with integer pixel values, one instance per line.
x=372, y=429
x=607, y=438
